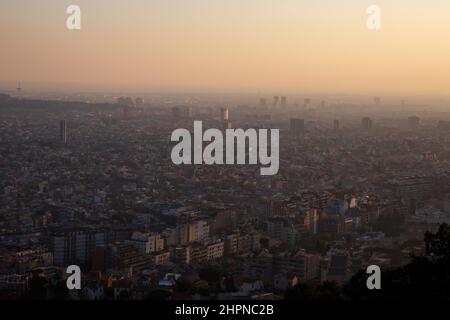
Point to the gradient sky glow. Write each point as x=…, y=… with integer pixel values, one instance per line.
x=230, y=45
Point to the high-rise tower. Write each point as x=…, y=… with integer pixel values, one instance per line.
x=63, y=131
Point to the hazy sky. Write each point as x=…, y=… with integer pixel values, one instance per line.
x=230, y=45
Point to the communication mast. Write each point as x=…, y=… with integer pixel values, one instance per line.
x=19, y=90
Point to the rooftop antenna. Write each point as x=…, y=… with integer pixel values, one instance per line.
x=19, y=90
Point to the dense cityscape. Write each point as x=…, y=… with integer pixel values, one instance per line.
x=92, y=184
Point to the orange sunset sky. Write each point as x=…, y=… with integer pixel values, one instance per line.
x=229, y=45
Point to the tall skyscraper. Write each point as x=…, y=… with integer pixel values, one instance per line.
x=63, y=131
x=276, y=99
x=413, y=122
x=306, y=103
x=176, y=112
x=322, y=104
x=225, y=118
x=76, y=246
x=366, y=123
x=283, y=102
x=297, y=127
x=336, y=125
x=224, y=114
x=181, y=112
x=263, y=102
x=19, y=90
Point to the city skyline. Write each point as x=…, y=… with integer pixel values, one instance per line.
x=252, y=152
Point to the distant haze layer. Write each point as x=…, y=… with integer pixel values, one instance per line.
x=233, y=45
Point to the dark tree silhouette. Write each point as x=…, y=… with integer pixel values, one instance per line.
x=37, y=288
x=124, y=295
x=60, y=290
x=308, y=291
x=438, y=244
x=425, y=277
x=210, y=274
x=158, y=294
